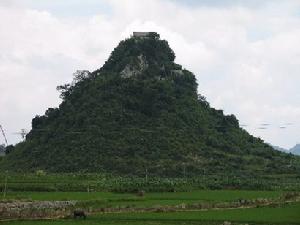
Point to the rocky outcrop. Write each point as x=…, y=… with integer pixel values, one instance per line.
x=135, y=69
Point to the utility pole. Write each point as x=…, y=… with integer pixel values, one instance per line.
x=5, y=185
x=23, y=134
x=146, y=174
x=184, y=170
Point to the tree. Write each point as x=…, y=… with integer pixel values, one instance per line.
x=81, y=75
x=2, y=149
x=9, y=149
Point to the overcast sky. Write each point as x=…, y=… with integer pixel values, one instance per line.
x=245, y=54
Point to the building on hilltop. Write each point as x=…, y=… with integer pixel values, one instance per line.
x=141, y=34
x=145, y=34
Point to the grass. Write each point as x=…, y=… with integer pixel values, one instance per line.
x=217, y=195
x=285, y=215
x=109, y=199
x=289, y=214
x=95, y=221
x=53, y=196
x=104, y=182
x=202, y=195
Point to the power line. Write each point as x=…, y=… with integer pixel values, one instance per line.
x=3, y=133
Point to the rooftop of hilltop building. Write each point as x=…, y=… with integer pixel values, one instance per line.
x=138, y=34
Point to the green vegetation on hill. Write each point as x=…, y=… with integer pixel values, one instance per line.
x=140, y=114
x=2, y=150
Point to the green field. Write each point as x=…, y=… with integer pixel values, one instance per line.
x=101, y=196
x=109, y=199
x=101, y=182
x=287, y=215
x=204, y=195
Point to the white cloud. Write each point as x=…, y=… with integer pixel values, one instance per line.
x=246, y=59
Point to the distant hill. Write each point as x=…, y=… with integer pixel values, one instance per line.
x=141, y=113
x=280, y=148
x=296, y=149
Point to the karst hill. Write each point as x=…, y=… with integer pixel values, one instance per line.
x=141, y=112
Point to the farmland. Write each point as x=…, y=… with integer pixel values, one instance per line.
x=131, y=200
x=85, y=182
x=203, y=195
x=286, y=215
x=117, y=200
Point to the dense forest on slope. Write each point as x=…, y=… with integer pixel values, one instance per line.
x=2, y=150
x=140, y=113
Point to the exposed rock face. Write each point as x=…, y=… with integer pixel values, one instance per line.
x=177, y=72
x=135, y=69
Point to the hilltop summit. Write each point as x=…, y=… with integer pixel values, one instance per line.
x=141, y=112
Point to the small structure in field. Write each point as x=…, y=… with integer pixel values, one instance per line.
x=141, y=193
